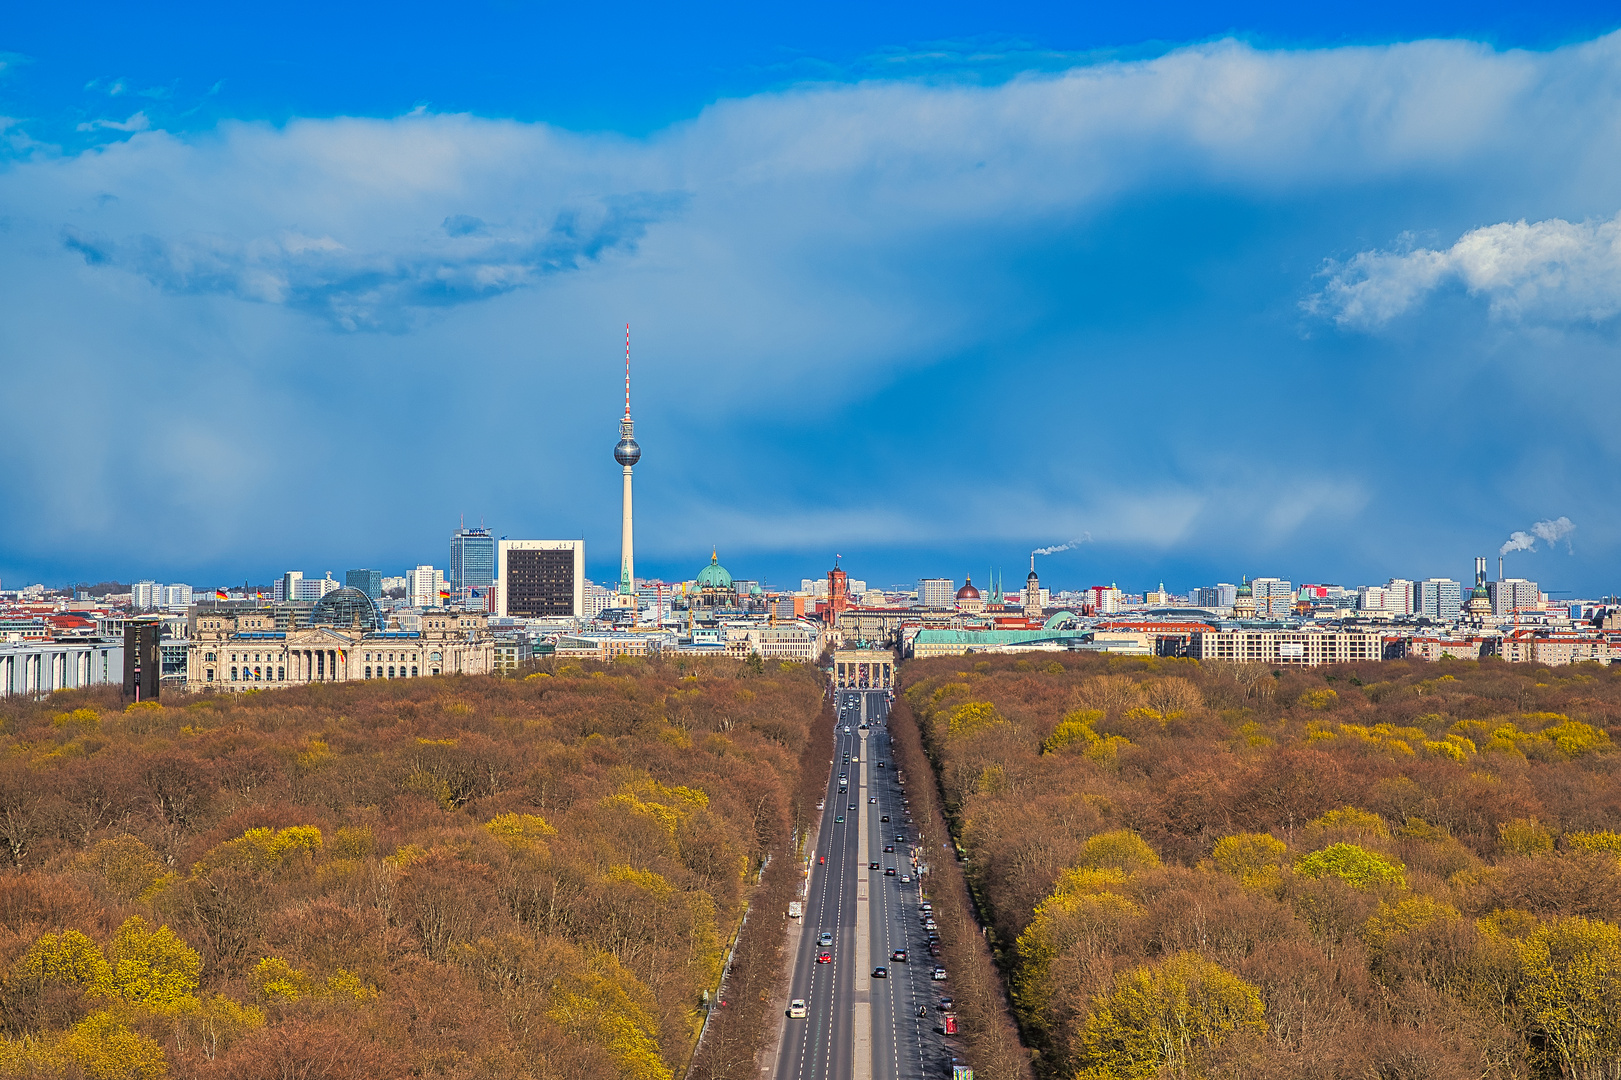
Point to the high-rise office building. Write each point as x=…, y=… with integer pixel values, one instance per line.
x=1274, y=597
x=1514, y=594
x=937, y=592
x=541, y=578
x=369, y=582
x=286, y=586
x=1220, y=595
x=176, y=597
x=1440, y=599
x=1400, y=598
x=422, y=586
x=472, y=559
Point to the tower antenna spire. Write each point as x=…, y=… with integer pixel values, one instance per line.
x=627, y=369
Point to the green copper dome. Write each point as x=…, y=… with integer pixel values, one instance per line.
x=714, y=576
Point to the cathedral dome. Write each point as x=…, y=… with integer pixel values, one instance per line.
x=714, y=576
x=968, y=592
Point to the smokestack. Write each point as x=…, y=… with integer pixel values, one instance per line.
x=1499, y=568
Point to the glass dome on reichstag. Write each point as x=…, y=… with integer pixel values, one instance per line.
x=343, y=608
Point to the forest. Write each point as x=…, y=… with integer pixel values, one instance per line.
x=1391, y=870
x=533, y=877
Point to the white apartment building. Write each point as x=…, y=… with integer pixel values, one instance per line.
x=1514, y=594
x=422, y=586
x=936, y=592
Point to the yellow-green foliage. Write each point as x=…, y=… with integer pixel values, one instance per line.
x=1608, y=840
x=520, y=831
x=353, y=841
x=598, y=1007
x=154, y=968
x=263, y=849
x=1319, y=699
x=1571, y=971
x=1075, y=727
x=1160, y=1019
x=1353, y=864
x=1393, y=920
x=99, y=1047
x=1391, y=738
x=666, y=805
x=1121, y=849
x=80, y=718
x=646, y=880
x=1543, y=734
x=1349, y=819
x=1524, y=836
x=948, y=690
x=1255, y=859
x=277, y=981
x=69, y=958
x=131, y=869
x=1084, y=904
x=972, y=717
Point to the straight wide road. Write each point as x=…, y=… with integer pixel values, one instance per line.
x=859, y=1027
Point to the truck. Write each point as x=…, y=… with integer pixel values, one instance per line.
x=796, y=909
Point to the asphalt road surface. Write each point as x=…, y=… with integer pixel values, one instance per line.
x=860, y=1027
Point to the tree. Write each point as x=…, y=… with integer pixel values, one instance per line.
x=1352, y=864
x=1572, y=994
x=1161, y=1019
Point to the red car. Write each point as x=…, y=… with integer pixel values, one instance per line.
x=824, y=958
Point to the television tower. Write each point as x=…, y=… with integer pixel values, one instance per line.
x=627, y=453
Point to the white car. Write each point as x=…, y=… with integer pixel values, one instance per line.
x=939, y=974
x=796, y=1009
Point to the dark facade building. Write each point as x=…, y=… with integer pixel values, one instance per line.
x=143, y=670
x=369, y=582
x=540, y=579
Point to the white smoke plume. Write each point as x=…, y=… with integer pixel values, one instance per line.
x=1084, y=538
x=1553, y=531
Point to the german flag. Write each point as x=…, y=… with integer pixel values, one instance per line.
x=221, y=594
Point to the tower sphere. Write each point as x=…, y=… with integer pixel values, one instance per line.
x=627, y=452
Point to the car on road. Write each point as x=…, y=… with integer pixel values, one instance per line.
x=880, y=973
x=863, y=727
x=945, y=1004
x=939, y=974
x=899, y=956
x=889, y=871
x=825, y=940
x=839, y=820
x=889, y=848
x=872, y=866
x=899, y=839
x=796, y=1009
x=872, y=800
x=852, y=806
x=847, y=729
x=825, y=958
x=884, y=818
x=822, y=805
x=906, y=879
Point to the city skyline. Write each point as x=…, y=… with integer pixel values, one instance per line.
x=1221, y=303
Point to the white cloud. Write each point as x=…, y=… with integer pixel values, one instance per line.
x=137, y=122
x=1551, y=271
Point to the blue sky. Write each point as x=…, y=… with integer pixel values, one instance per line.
x=1329, y=294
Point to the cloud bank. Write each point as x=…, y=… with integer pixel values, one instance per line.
x=1071, y=298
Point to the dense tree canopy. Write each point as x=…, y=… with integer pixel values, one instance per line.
x=533, y=877
x=1399, y=869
